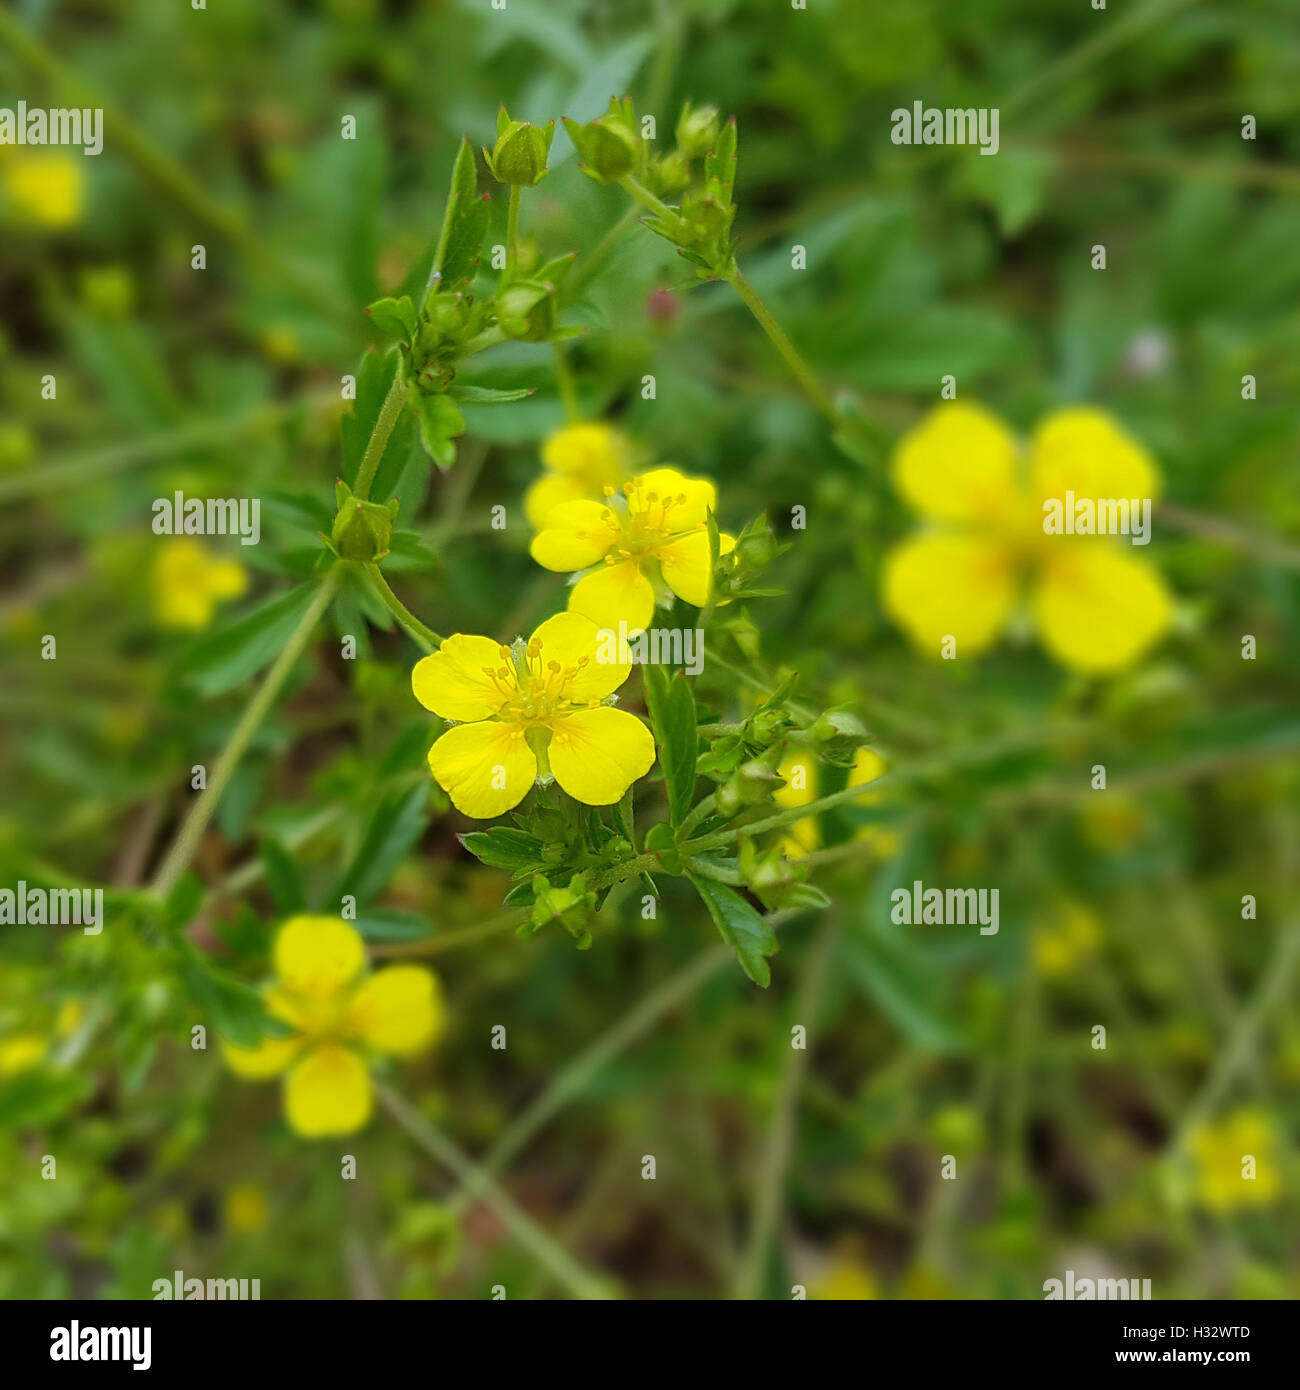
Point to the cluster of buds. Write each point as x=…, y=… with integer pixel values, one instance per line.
x=613, y=149
x=777, y=880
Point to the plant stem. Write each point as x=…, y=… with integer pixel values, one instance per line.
x=803, y=374
x=379, y=436
x=647, y=199
x=479, y=1185
x=423, y=636
x=512, y=232
x=584, y=272
x=191, y=831
x=781, y=1135
x=568, y=390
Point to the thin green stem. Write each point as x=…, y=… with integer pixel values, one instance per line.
x=191, y=831
x=423, y=636
x=568, y=389
x=803, y=374
x=585, y=271
x=642, y=194
x=512, y=232
x=480, y=1186
x=379, y=436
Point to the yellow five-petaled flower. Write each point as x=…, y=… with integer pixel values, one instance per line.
x=651, y=540
x=338, y=1017
x=535, y=710
x=1096, y=607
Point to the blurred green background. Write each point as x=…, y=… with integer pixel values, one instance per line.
x=1121, y=908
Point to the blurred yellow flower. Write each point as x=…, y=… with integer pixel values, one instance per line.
x=651, y=540
x=1222, y=1151
x=339, y=1016
x=189, y=581
x=845, y=1279
x=581, y=461
x=882, y=840
x=20, y=1052
x=800, y=773
x=1095, y=607
x=69, y=1017
x=247, y=1210
x=46, y=187
x=535, y=710
x=1062, y=944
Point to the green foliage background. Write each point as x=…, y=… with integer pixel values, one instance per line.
x=1120, y=127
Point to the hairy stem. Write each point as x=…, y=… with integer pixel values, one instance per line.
x=379, y=436
x=803, y=374
x=423, y=636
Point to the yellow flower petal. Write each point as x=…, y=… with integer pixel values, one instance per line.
x=596, y=754
x=227, y=579
x=575, y=642
x=20, y=1052
x=697, y=497
x=547, y=493
x=47, y=188
x=687, y=568
x=397, y=1010
x=485, y=768
x=1085, y=451
x=454, y=682
x=800, y=773
x=589, y=450
x=615, y=593
x=867, y=766
x=958, y=465
x=328, y=1092
x=268, y=1058
x=940, y=584
x=317, y=957
x=1098, y=609
x=576, y=535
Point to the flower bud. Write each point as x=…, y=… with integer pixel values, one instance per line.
x=697, y=131
x=608, y=147
x=526, y=311
x=837, y=735
x=519, y=156
x=362, y=530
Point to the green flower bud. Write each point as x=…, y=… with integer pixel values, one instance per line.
x=519, y=156
x=697, y=131
x=609, y=148
x=526, y=311
x=569, y=906
x=837, y=735
x=362, y=530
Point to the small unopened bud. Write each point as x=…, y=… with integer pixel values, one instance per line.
x=697, y=131
x=519, y=156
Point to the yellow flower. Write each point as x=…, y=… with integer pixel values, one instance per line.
x=847, y=1279
x=1220, y=1152
x=653, y=540
x=20, y=1052
x=800, y=773
x=1063, y=945
x=46, y=188
x=1095, y=607
x=530, y=712
x=338, y=1017
x=581, y=461
x=247, y=1210
x=188, y=582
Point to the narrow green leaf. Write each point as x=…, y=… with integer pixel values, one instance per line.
x=672, y=715
x=742, y=928
x=226, y=658
x=464, y=223
x=282, y=876
x=394, y=830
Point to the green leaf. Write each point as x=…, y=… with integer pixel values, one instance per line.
x=282, y=876
x=396, y=317
x=464, y=224
x=742, y=928
x=440, y=423
x=489, y=395
x=394, y=830
x=236, y=1009
x=182, y=902
x=661, y=840
x=672, y=713
x=504, y=848
x=35, y=1096
x=226, y=658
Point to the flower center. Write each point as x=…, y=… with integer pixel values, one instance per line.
x=536, y=690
